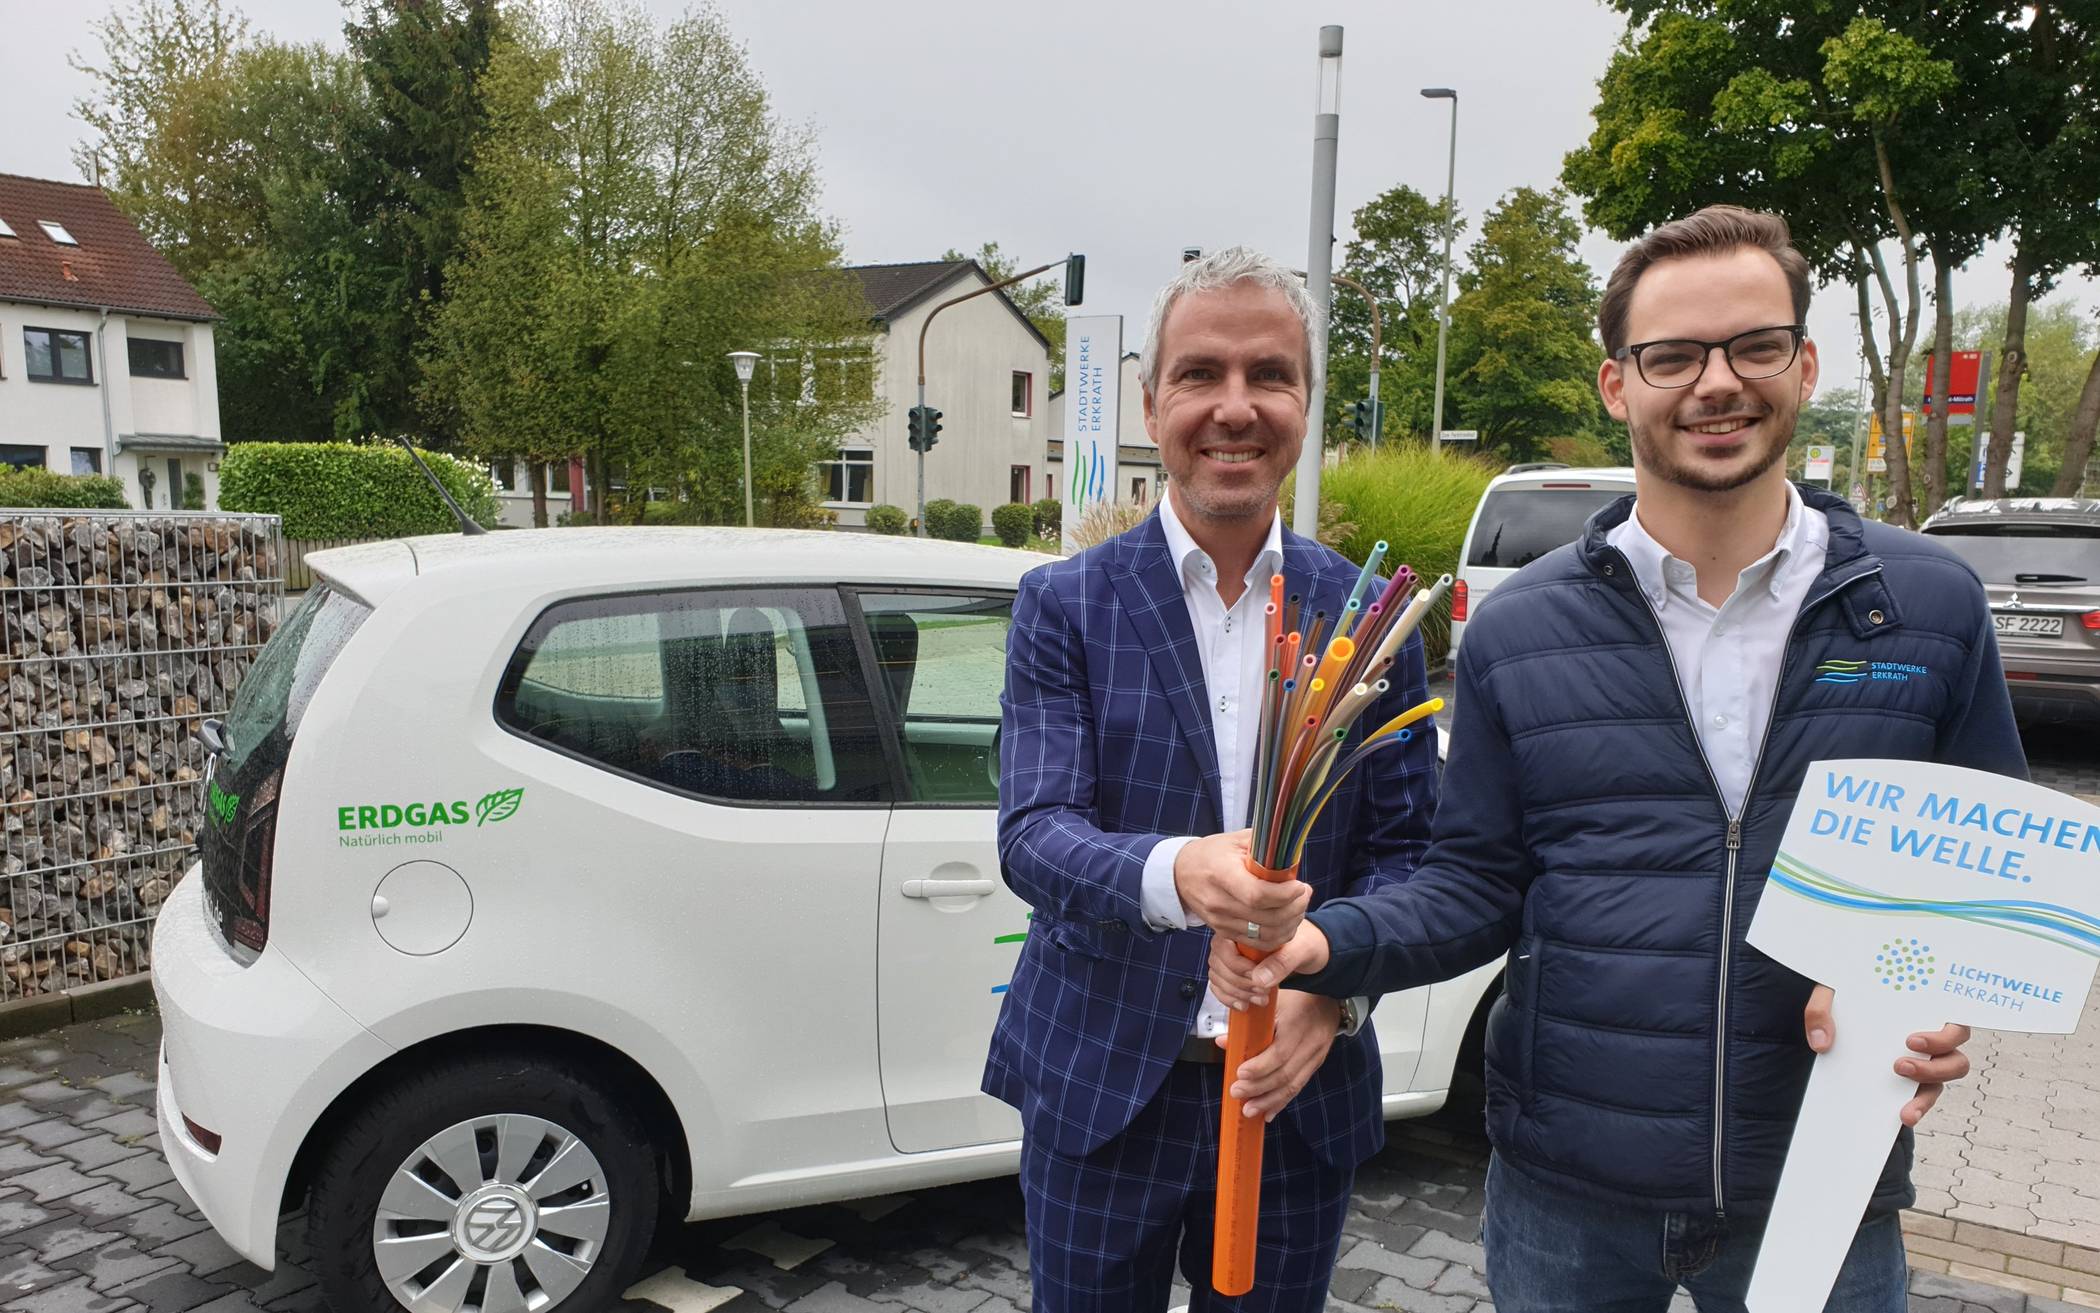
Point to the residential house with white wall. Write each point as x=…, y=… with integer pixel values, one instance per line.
x=106, y=363
x=987, y=372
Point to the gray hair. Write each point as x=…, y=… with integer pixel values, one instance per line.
x=1226, y=268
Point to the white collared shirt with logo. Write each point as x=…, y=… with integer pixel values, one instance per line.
x=1728, y=657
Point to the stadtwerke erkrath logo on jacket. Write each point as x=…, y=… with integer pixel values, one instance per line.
x=1859, y=672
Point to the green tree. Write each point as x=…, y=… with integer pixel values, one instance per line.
x=635, y=213
x=2061, y=342
x=1524, y=351
x=1397, y=254
x=163, y=137
x=2042, y=153
x=1830, y=115
x=422, y=64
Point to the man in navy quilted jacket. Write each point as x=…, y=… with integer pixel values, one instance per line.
x=1635, y=714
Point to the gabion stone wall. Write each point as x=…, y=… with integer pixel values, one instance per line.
x=120, y=633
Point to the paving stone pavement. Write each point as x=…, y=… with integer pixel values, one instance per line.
x=91, y=1221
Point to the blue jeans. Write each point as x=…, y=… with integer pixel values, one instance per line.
x=1550, y=1250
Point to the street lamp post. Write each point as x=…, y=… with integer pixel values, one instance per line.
x=1319, y=269
x=745, y=361
x=1443, y=300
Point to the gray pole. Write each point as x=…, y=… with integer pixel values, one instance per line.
x=749, y=522
x=1443, y=300
x=922, y=455
x=1859, y=429
x=1319, y=270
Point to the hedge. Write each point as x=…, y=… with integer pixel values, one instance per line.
x=344, y=490
x=888, y=519
x=39, y=487
x=1416, y=499
x=1014, y=523
x=957, y=521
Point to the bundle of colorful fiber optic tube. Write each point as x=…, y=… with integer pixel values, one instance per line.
x=1322, y=678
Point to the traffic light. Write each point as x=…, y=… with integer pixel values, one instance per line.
x=924, y=427
x=1075, y=279
x=1363, y=420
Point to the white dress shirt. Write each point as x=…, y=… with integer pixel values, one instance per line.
x=1728, y=657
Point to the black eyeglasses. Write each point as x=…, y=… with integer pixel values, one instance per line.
x=1678, y=362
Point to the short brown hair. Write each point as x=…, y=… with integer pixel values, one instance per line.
x=1712, y=231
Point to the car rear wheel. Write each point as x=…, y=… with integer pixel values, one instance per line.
x=500, y=1184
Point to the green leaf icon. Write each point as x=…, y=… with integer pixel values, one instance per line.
x=498, y=806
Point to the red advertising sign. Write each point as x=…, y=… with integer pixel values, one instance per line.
x=1964, y=371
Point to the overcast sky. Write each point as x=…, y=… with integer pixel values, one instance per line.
x=1125, y=130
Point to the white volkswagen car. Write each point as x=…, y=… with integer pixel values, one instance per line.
x=556, y=879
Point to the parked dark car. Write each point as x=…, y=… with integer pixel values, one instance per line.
x=2039, y=558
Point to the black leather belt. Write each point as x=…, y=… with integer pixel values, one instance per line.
x=1202, y=1050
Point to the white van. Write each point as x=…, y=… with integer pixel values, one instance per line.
x=1526, y=512
x=554, y=878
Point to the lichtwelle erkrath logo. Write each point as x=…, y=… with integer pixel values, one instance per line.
x=1905, y=964
x=385, y=824
x=1860, y=672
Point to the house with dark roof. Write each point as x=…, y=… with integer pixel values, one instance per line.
x=987, y=372
x=106, y=363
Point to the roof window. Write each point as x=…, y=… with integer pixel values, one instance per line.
x=6, y=231
x=56, y=231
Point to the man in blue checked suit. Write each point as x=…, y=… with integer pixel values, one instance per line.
x=1126, y=760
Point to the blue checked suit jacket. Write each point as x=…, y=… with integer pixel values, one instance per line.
x=1106, y=747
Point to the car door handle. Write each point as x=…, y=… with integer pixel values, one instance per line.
x=949, y=888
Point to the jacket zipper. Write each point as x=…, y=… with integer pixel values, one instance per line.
x=1734, y=834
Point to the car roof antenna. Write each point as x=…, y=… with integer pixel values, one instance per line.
x=466, y=521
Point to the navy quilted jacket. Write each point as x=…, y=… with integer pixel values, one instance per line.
x=1643, y=1052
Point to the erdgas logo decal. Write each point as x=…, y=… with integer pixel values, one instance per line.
x=384, y=824
x=221, y=804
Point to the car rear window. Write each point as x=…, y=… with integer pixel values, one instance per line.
x=282, y=681
x=2012, y=553
x=1519, y=525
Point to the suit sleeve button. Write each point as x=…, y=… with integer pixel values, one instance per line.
x=1188, y=989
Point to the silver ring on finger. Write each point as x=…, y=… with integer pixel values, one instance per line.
x=1253, y=932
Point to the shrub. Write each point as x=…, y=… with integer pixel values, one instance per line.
x=671, y=512
x=193, y=492
x=887, y=519
x=1014, y=523
x=961, y=522
x=1417, y=501
x=345, y=490
x=1104, y=520
x=38, y=487
x=936, y=515
x=1049, y=517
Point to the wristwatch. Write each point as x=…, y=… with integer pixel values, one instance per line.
x=1352, y=1016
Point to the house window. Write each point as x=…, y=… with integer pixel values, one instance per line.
x=56, y=231
x=850, y=480
x=505, y=473
x=57, y=357
x=20, y=457
x=1020, y=481
x=1024, y=394
x=151, y=358
x=1140, y=491
x=558, y=476
x=844, y=374
x=87, y=460
x=6, y=231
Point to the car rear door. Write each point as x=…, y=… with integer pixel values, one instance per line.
x=1520, y=522
x=949, y=930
